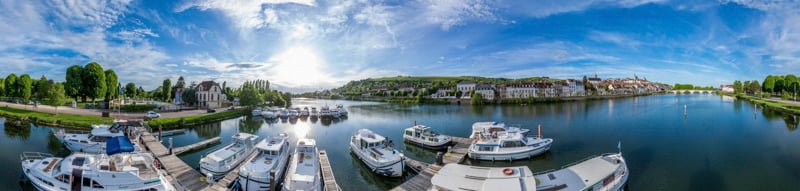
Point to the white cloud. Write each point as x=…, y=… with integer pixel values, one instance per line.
x=450, y=13
x=245, y=13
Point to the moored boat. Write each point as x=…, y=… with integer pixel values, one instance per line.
x=220, y=162
x=305, y=112
x=604, y=172
x=94, y=141
x=256, y=112
x=377, y=153
x=492, y=126
x=464, y=177
x=506, y=145
x=421, y=135
x=268, y=114
x=342, y=110
x=304, y=173
x=314, y=112
x=325, y=112
x=273, y=155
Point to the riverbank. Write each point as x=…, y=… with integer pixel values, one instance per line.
x=51, y=119
x=178, y=122
x=780, y=106
x=532, y=100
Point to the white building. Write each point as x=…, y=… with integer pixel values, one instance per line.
x=573, y=88
x=726, y=88
x=465, y=86
x=522, y=90
x=209, y=95
x=487, y=91
x=443, y=93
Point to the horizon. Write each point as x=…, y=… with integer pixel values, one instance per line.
x=307, y=45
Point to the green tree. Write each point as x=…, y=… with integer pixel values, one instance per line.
x=56, y=96
x=189, y=96
x=140, y=93
x=112, y=89
x=24, y=87
x=11, y=85
x=459, y=94
x=780, y=84
x=2, y=87
x=287, y=97
x=755, y=87
x=737, y=86
x=74, y=83
x=42, y=88
x=250, y=96
x=769, y=84
x=476, y=99
x=94, y=81
x=130, y=89
x=166, y=90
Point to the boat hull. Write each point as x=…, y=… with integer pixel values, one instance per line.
x=525, y=154
x=393, y=169
x=439, y=146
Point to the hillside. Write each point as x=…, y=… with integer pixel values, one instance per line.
x=430, y=83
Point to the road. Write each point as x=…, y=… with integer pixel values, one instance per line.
x=99, y=112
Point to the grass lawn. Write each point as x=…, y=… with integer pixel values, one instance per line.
x=780, y=105
x=178, y=121
x=60, y=119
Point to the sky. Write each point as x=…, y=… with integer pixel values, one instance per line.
x=306, y=45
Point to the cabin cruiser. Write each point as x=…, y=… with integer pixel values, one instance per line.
x=283, y=113
x=304, y=112
x=492, y=126
x=325, y=112
x=464, y=177
x=272, y=154
x=422, y=135
x=506, y=145
x=94, y=141
x=314, y=112
x=342, y=111
x=114, y=170
x=377, y=153
x=293, y=113
x=268, y=114
x=256, y=112
x=218, y=163
x=604, y=172
x=304, y=168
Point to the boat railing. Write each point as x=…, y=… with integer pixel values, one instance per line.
x=570, y=164
x=34, y=156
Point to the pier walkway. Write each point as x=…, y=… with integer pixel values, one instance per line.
x=327, y=172
x=184, y=176
x=195, y=146
x=422, y=181
x=228, y=179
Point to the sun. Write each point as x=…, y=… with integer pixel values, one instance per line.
x=298, y=66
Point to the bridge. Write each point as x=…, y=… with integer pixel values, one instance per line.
x=692, y=91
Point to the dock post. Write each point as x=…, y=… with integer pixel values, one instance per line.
x=272, y=183
x=439, y=158
x=159, y=132
x=170, y=145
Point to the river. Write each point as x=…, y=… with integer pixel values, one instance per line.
x=715, y=143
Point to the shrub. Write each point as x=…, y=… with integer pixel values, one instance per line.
x=138, y=108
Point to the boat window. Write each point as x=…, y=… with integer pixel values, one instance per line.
x=95, y=184
x=99, y=139
x=513, y=144
x=87, y=182
x=485, y=148
x=45, y=181
x=63, y=178
x=409, y=133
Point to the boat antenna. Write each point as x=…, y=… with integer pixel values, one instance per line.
x=415, y=123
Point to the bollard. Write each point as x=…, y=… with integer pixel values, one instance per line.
x=170, y=145
x=272, y=183
x=439, y=158
x=159, y=133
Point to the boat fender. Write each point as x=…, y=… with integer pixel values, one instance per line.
x=508, y=171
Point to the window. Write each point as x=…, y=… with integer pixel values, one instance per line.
x=485, y=148
x=409, y=133
x=96, y=185
x=63, y=178
x=99, y=139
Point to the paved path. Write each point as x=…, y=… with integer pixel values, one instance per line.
x=99, y=112
x=784, y=101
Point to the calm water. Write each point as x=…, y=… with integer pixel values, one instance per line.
x=720, y=144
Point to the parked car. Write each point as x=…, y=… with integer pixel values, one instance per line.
x=153, y=115
x=209, y=110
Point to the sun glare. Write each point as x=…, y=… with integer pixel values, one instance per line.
x=301, y=130
x=298, y=66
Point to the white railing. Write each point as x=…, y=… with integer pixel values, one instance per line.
x=34, y=156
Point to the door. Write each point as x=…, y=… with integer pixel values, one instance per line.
x=77, y=176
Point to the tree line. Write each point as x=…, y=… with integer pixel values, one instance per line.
x=786, y=86
x=257, y=93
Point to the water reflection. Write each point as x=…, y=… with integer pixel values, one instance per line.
x=250, y=124
x=209, y=130
x=791, y=122
x=17, y=128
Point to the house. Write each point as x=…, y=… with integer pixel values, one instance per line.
x=726, y=88
x=209, y=95
x=443, y=93
x=486, y=90
x=465, y=87
x=519, y=90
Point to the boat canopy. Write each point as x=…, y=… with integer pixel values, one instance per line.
x=116, y=145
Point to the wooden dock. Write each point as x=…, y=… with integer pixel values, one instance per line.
x=422, y=181
x=172, y=132
x=195, y=146
x=184, y=176
x=226, y=181
x=327, y=172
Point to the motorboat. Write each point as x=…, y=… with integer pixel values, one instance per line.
x=604, y=172
x=342, y=110
x=118, y=169
x=507, y=146
x=293, y=113
x=305, y=112
x=492, y=126
x=283, y=113
x=314, y=112
x=325, y=112
x=272, y=155
x=304, y=173
x=94, y=141
x=421, y=135
x=268, y=114
x=256, y=112
x=465, y=177
x=218, y=163
x=377, y=153
x=335, y=113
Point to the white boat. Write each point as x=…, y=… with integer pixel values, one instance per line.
x=283, y=113
x=256, y=112
x=85, y=171
x=376, y=152
x=492, y=126
x=220, y=162
x=422, y=136
x=464, y=177
x=273, y=154
x=268, y=114
x=293, y=113
x=305, y=112
x=314, y=112
x=506, y=145
x=325, y=112
x=604, y=172
x=342, y=111
x=94, y=141
x=304, y=168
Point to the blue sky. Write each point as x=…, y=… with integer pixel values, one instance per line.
x=308, y=44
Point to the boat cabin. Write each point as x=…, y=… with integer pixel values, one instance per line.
x=422, y=132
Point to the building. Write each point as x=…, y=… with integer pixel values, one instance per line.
x=443, y=93
x=573, y=88
x=519, y=90
x=465, y=86
x=726, y=88
x=486, y=90
x=209, y=95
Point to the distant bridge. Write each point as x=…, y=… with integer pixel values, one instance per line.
x=692, y=91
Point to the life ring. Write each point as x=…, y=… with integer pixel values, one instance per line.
x=508, y=171
x=156, y=164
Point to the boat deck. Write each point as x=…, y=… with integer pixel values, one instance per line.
x=184, y=176
x=228, y=179
x=422, y=181
x=327, y=172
